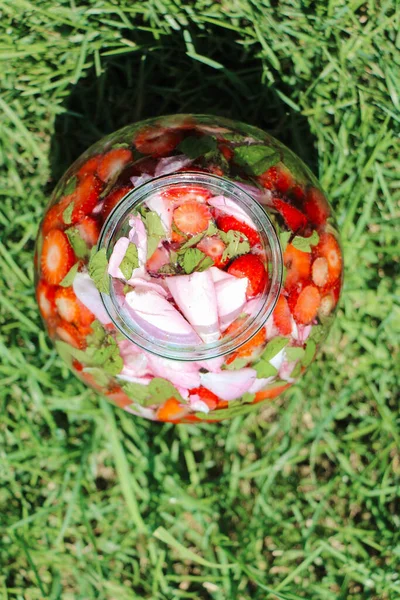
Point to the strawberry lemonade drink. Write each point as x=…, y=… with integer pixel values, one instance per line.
x=188, y=268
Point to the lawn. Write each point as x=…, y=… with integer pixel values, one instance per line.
x=298, y=501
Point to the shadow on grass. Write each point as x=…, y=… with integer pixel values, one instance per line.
x=163, y=79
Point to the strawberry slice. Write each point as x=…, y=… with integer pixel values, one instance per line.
x=89, y=167
x=112, y=200
x=45, y=298
x=298, y=266
x=292, y=216
x=71, y=309
x=328, y=248
x=85, y=197
x=316, y=207
x=89, y=230
x=157, y=141
x=282, y=317
x=214, y=248
x=69, y=333
x=113, y=162
x=57, y=257
x=67, y=304
x=171, y=410
x=209, y=398
x=319, y=271
x=250, y=266
x=53, y=219
x=227, y=222
x=192, y=217
x=181, y=194
x=277, y=178
x=158, y=259
x=250, y=349
x=307, y=305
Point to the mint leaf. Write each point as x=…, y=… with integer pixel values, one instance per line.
x=67, y=214
x=317, y=333
x=78, y=244
x=296, y=371
x=304, y=243
x=193, y=259
x=238, y=363
x=274, y=347
x=70, y=186
x=130, y=261
x=309, y=353
x=264, y=369
x=100, y=377
x=137, y=391
x=195, y=239
x=256, y=159
x=155, y=231
x=284, y=238
x=98, y=270
x=70, y=276
x=236, y=243
x=293, y=354
x=194, y=147
x=295, y=165
x=156, y=392
x=102, y=352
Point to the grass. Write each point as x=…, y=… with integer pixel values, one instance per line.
x=298, y=501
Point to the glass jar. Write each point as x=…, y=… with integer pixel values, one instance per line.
x=188, y=267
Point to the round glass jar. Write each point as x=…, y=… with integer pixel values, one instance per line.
x=188, y=267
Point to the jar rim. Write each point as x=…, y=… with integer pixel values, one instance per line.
x=136, y=197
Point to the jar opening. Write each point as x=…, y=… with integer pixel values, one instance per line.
x=140, y=310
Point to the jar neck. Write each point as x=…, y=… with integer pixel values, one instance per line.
x=116, y=226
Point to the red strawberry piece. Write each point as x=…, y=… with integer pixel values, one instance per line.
x=77, y=365
x=89, y=167
x=158, y=259
x=177, y=237
x=307, y=305
x=297, y=192
x=57, y=257
x=214, y=248
x=113, y=162
x=319, y=271
x=282, y=317
x=181, y=194
x=89, y=230
x=277, y=178
x=53, y=218
x=271, y=393
x=85, y=197
x=226, y=222
x=69, y=333
x=250, y=266
x=157, y=141
x=292, y=216
x=192, y=217
x=328, y=248
x=45, y=297
x=112, y=200
x=316, y=207
x=226, y=151
x=210, y=399
x=298, y=266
